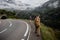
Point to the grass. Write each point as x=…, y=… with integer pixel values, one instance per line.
x=57, y=33
x=47, y=33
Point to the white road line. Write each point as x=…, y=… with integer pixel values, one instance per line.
x=22, y=39
x=6, y=28
x=10, y=23
x=26, y=30
x=3, y=31
x=28, y=36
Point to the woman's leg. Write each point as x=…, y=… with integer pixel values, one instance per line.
x=38, y=31
x=35, y=28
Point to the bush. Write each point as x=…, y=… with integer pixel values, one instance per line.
x=9, y=14
x=57, y=33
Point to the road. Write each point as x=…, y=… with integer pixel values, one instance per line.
x=14, y=30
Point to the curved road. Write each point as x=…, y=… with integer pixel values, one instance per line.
x=14, y=30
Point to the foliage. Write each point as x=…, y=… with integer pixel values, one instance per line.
x=52, y=18
x=47, y=33
x=9, y=14
x=57, y=33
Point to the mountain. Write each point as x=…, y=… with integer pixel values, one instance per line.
x=48, y=5
x=51, y=4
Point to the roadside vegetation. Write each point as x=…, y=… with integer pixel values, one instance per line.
x=57, y=33
x=8, y=14
x=47, y=33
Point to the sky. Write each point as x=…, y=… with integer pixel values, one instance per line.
x=21, y=4
x=33, y=3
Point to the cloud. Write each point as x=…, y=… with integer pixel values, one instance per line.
x=34, y=3
x=55, y=4
x=21, y=4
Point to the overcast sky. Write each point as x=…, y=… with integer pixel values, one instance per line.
x=21, y=4
x=33, y=3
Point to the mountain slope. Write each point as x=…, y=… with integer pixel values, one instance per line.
x=48, y=5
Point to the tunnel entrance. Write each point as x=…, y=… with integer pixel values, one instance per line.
x=4, y=17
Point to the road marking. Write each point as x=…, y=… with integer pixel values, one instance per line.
x=10, y=23
x=6, y=28
x=22, y=39
x=28, y=36
x=3, y=31
x=26, y=30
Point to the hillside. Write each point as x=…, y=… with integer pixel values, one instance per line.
x=9, y=14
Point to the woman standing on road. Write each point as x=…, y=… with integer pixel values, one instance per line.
x=37, y=25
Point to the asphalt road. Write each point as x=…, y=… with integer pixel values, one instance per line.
x=14, y=30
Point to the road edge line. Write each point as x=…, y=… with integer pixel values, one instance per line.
x=26, y=30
